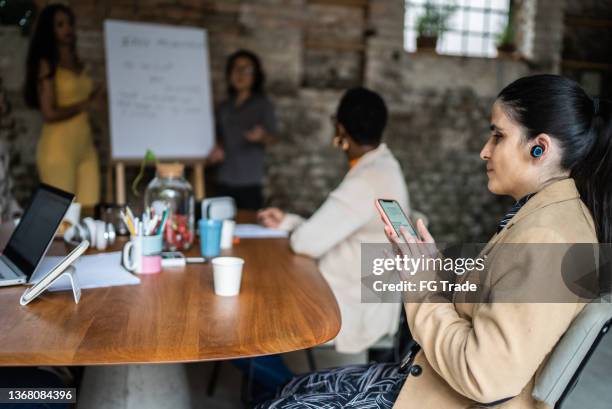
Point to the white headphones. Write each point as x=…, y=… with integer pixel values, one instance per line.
x=99, y=233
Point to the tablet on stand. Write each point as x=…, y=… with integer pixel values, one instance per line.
x=64, y=267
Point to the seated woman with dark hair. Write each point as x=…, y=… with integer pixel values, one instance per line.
x=334, y=233
x=550, y=148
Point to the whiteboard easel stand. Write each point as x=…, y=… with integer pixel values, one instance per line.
x=197, y=179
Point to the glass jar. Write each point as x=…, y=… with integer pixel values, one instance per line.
x=169, y=189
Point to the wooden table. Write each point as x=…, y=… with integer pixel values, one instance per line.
x=284, y=305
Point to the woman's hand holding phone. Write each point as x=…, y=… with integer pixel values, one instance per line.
x=425, y=238
x=409, y=242
x=412, y=247
x=393, y=216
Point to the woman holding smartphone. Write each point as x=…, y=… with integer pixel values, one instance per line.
x=58, y=85
x=550, y=149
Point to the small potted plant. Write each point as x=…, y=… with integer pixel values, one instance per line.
x=148, y=158
x=505, y=40
x=432, y=24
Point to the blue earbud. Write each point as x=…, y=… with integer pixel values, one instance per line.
x=537, y=151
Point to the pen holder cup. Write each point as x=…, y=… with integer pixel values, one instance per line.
x=210, y=237
x=142, y=254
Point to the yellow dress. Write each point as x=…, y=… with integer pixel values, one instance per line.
x=66, y=156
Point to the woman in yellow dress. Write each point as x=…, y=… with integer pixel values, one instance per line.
x=57, y=85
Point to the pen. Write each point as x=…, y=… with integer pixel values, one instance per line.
x=145, y=223
x=127, y=222
x=163, y=222
x=148, y=214
x=132, y=220
x=153, y=224
x=129, y=213
x=190, y=260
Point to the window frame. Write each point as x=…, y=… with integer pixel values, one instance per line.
x=487, y=32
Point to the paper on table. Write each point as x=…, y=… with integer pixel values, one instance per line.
x=93, y=271
x=255, y=231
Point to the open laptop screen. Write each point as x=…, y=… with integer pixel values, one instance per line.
x=35, y=231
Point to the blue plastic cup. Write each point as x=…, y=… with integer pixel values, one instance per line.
x=210, y=237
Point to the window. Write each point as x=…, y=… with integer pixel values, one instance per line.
x=472, y=27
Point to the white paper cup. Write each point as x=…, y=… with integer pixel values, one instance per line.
x=227, y=274
x=227, y=234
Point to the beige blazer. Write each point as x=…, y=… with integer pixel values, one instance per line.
x=334, y=234
x=486, y=353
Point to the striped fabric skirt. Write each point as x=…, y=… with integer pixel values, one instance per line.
x=372, y=386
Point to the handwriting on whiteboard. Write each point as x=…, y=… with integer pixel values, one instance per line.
x=163, y=95
x=143, y=42
x=159, y=88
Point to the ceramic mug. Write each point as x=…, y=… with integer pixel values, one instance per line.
x=142, y=254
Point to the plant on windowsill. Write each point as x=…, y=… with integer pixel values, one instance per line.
x=432, y=24
x=505, y=40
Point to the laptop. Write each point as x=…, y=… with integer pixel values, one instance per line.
x=33, y=235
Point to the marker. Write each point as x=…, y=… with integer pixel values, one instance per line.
x=163, y=222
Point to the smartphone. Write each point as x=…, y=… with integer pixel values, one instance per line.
x=393, y=215
x=172, y=259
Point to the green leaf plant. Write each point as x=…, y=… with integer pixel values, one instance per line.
x=148, y=158
x=434, y=20
x=505, y=37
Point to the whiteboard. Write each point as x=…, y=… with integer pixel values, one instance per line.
x=159, y=90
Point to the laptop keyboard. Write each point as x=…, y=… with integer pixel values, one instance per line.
x=5, y=271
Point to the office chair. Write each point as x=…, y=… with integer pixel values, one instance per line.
x=562, y=371
x=392, y=348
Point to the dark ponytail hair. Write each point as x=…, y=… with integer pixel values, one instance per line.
x=43, y=46
x=582, y=125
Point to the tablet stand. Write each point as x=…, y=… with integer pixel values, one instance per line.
x=70, y=271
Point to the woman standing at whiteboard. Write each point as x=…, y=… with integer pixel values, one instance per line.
x=245, y=124
x=57, y=85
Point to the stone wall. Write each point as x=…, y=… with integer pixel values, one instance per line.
x=311, y=51
x=548, y=35
x=20, y=137
x=587, y=41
